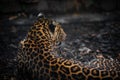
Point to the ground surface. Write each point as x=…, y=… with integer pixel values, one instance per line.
x=87, y=35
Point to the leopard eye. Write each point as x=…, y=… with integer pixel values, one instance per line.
x=52, y=28
x=58, y=43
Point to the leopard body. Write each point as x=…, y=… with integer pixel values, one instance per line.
x=36, y=60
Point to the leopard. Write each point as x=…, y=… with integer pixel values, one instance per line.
x=37, y=61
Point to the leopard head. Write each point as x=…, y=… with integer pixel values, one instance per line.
x=46, y=30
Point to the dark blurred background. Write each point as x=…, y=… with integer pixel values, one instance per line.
x=91, y=26
x=58, y=6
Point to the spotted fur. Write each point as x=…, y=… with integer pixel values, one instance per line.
x=36, y=59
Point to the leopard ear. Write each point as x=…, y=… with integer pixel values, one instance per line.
x=41, y=15
x=52, y=27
